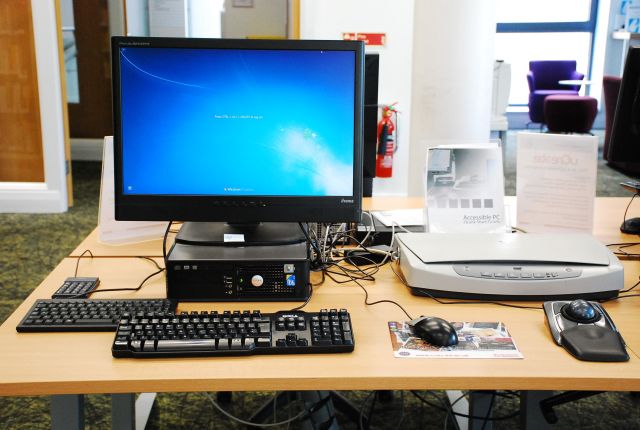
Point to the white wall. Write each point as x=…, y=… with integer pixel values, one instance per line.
x=267, y=18
x=615, y=50
x=328, y=19
x=204, y=19
x=452, y=77
x=168, y=18
x=138, y=18
x=600, y=38
x=174, y=18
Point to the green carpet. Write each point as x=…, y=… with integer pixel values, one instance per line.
x=32, y=245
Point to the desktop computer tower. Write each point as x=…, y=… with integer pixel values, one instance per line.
x=239, y=274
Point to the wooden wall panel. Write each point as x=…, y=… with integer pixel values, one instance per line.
x=21, y=155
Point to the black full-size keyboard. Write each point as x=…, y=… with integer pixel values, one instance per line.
x=202, y=334
x=88, y=314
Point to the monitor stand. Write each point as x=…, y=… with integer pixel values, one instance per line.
x=240, y=234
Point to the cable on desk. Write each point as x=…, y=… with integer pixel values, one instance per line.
x=366, y=299
x=461, y=302
x=610, y=299
x=631, y=349
x=151, y=260
x=306, y=302
x=621, y=251
x=164, y=243
x=624, y=218
x=160, y=270
x=249, y=423
x=313, y=244
x=324, y=261
x=86, y=251
x=631, y=287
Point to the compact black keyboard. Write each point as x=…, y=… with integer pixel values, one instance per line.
x=202, y=334
x=87, y=314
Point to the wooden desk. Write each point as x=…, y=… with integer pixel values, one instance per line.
x=84, y=363
x=74, y=363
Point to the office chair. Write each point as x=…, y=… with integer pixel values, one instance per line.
x=543, y=79
x=547, y=405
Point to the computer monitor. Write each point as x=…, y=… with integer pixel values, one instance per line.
x=244, y=137
x=624, y=147
x=370, y=122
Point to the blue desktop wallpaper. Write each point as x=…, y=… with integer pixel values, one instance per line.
x=237, y=122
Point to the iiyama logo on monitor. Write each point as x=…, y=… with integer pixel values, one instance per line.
x=346, y=201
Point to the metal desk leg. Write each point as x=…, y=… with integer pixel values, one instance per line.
x=127, y=413
x=67, y=412
x=123, y=411
x=530, y=414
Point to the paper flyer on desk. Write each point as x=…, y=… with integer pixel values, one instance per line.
x=465, y=189
x=475, y=340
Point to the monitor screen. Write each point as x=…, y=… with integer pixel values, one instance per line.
x=625, y=132
x=237, y=130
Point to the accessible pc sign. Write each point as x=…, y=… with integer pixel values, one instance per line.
x=465, y=189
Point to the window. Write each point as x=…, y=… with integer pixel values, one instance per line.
x=543, y=30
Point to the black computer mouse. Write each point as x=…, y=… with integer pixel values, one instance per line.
x=434, y=330
x=580, y=311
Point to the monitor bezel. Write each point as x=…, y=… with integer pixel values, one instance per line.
x=240, y=209
x=621, y=149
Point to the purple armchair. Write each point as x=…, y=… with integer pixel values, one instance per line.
x=543, y=80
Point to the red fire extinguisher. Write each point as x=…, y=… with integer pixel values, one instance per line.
x=386, y=142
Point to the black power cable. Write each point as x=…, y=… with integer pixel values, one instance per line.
x=86, y=251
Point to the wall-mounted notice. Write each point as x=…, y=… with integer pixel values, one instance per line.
x=556, y=182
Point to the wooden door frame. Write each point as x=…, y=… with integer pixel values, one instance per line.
x=50, y=195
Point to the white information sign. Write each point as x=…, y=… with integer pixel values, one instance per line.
x=465, y=189
x=556, y=182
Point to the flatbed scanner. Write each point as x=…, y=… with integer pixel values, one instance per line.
x=509, y=266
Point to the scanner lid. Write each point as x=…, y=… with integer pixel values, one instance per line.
x=532, y=248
